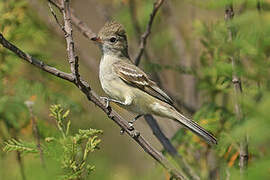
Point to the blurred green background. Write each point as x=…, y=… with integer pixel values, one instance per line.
x=188, y=52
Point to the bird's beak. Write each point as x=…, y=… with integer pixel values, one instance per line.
x=96, y=39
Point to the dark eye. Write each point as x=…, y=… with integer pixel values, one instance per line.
x=113, y=39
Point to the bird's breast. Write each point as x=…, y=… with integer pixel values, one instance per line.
x=110, y=82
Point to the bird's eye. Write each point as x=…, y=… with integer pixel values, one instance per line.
x=113, y=39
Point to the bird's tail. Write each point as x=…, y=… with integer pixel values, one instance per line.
x=194, y=127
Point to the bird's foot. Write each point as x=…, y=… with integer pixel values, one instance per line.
x=106, y=100
x=130, y=128
x=122, y=131
x=130, y=123
x=134, y=119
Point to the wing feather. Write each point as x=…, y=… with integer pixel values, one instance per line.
x=134, y=76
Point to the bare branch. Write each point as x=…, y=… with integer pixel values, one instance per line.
x=39, y=64
x=72, y=58
x=20, y=162
x=93, y=97
x=259, y=5
x=145, y=35
x=152, y=122
x=243, y=151
x=80, y=25
x=56, y=19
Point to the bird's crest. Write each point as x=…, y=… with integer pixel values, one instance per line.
x=112, y=27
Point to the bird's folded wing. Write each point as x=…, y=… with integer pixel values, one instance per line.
x=134, y=76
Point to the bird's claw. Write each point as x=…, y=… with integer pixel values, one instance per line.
x=130, y=124
x=130, y=128
x=106, y=100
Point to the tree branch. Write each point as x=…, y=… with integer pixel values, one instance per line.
x=80, y=25
x=167, y=145
x=93, y=97
x=37, y=63
x=72, y=58
x=20, y=162
x=145, y=35
x=259, y=5
x=56, y=19
x=243, y=151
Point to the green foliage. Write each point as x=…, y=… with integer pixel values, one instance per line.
x=249, y=47
x=19, y=145
x=74, y=149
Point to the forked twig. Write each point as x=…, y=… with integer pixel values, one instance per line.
x=147, y=32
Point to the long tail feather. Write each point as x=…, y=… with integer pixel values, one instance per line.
x=165, y=110
x=194, y=127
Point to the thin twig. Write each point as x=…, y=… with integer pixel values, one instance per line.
x=35, y=130
x=259, y=5
x=72, y=57
x=56, y=19
x=243, y=150
x=80, y=25
x=145, y=35
x=93, y=97
x=20, y=162
x=37, y=63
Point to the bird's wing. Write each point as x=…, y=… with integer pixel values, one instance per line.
x=134, y=76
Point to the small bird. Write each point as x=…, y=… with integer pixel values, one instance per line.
x=131, y=88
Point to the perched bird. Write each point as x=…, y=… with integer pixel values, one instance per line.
x=131, y=88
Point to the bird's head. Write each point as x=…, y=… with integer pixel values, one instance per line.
x=112, y=39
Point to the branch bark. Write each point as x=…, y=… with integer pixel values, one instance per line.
x=80, y=25
x=243, y=150
x=145, y=35
x=93, y=97
x=167, y=145
x=72, y=58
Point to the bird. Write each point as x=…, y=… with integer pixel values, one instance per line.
x=130, y=87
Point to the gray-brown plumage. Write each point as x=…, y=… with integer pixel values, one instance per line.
x=130, y=87
x=134, y=76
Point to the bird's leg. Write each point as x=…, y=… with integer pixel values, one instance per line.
x=131, y=123
x=134, y=119
x=108, y=100
x=127, y=102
